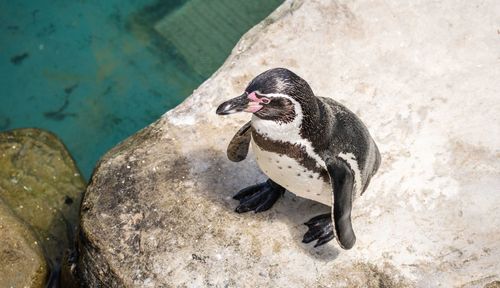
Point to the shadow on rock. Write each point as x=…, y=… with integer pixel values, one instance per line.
x=219, y=179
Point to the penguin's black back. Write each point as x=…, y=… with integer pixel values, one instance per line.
x=347, y=134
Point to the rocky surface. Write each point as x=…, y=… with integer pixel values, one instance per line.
x=42, y=187
x=21, y=257
x=423, y=77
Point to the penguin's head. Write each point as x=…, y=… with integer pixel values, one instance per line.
x=271, y=95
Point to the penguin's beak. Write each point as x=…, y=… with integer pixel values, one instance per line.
x=245, y=102
x=234, y=105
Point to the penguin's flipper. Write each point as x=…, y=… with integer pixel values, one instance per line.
x=342, y=179
x=237, y=149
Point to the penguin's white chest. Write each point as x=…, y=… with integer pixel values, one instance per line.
x=290, y=174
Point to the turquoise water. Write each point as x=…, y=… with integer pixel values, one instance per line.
x=94, y=72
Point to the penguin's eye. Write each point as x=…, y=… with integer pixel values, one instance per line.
x=265, y=100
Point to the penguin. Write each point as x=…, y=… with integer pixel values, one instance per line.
x=311, y=146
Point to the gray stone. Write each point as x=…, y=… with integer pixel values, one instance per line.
x=42, y=186
x=422, y=76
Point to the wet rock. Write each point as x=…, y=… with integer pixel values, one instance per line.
x=158, y=211
x=22, y=263
x=494, y=284
x=42, y=186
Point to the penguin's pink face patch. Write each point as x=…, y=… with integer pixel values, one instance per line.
x=256, y=103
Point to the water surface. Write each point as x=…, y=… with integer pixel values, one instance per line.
x=95, y=72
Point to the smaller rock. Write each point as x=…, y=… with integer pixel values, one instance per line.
x=21, y=256
x=41, y=185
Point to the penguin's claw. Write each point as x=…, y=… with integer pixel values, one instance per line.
x=324, y=239
x=259, y=198
x=320, y=228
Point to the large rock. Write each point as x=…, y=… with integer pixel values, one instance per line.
x=42, y=186
x=423, y=77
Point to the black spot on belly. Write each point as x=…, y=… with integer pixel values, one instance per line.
x=289, y=167
x=311, y=176
x=294, y=151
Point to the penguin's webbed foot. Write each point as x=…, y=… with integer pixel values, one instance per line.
x=320, y=228
x=259, y=198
